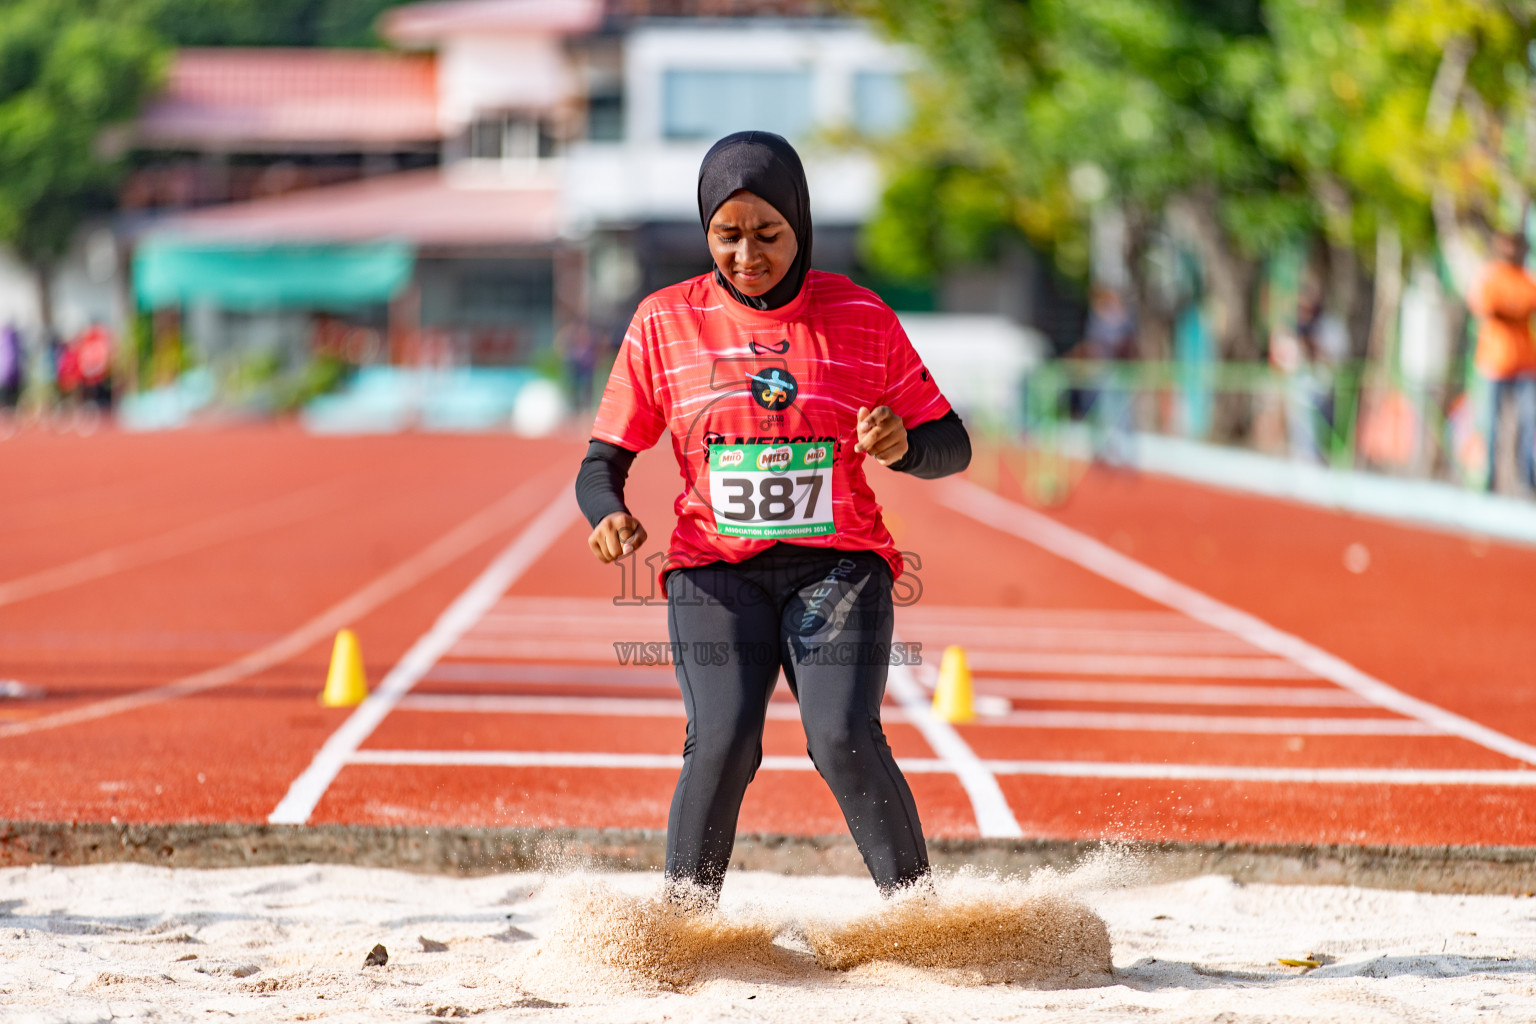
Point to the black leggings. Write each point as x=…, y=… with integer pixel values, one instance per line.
x=824, y=617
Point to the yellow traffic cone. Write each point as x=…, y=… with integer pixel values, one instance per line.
x=953, y=700
x=345, y=685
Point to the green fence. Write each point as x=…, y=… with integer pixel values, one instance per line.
x=1078, y=413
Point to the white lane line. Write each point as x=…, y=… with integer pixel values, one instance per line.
x=306, y=790
x=993, y=815
x=442, y=552
x=512, y=704
x=1009, y=517
x=577, y=644
x=924, y=615
x=1246, y=773
x=1231, y=724
x=1171, y=693
x=253, y=519
x=518, y=704
x=565, y=675
x=1079, y=642
x=1083, y=641
x=994, y=660
x=573, y=649
x=601, y=612
x=547, y=759
x=928, y=766
x=527, y=605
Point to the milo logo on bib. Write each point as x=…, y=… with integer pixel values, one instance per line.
x=771, y=491
x=775, y=460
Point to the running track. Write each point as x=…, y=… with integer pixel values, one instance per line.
x=1158, y=660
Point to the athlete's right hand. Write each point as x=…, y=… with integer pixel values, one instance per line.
x=616, y=536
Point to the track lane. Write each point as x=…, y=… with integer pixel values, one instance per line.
x=243, y=738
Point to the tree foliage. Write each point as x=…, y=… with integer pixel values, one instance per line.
x=1257, y=121
x=70, y=72
x=268, y=22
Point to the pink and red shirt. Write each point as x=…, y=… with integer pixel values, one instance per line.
x=700, y=365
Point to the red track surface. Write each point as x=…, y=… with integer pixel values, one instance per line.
x=133, y=561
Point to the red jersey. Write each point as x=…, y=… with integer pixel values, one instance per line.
x=762, y=408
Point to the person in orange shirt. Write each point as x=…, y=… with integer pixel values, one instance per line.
x=1504, y=301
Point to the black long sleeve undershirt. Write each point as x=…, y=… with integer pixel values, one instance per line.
x=934, y=449
x=600, y=483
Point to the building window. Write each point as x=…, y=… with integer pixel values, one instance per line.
x=881, y=105
x=503, y=136
x=605, y=117
x=709, y=104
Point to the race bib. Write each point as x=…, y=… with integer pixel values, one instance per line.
x=772, y=490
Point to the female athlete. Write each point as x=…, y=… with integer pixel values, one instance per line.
x=775, y=381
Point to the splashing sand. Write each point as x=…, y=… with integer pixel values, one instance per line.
x=968, y=929
x=975, y=930
x=674, y=942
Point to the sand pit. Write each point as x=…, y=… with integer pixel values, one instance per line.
x=289, y=943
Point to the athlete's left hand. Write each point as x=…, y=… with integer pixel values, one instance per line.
x=882, y=434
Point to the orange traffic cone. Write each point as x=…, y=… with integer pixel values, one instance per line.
x=346, y=685
x=953, y=699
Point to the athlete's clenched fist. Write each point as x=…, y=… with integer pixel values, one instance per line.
x=882, y=434
x=616, y=536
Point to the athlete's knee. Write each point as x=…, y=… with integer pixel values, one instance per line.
x=844, y=744
x=726, y=751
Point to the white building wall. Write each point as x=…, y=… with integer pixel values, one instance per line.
x=648, y=177
x=501, y=72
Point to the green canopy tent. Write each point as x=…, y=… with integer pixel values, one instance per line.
x=173, y=272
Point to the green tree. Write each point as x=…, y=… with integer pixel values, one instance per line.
x=1411, y=122
x=269, y=22
x=1054, y=107
x=1385, y=128
x=72, y=75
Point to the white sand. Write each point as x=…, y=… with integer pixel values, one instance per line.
x=274, y=944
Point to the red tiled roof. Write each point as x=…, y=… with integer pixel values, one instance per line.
x=422, y=24
x=622, y=9
x=425, y=23
x=254, y=99
x=426, y=208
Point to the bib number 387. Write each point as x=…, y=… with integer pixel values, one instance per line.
x=772, y=490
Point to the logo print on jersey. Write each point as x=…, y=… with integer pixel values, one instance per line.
x=778, y=350
x=773, y=389
x=774, y=460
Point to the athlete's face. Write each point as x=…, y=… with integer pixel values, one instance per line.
x=752, y=243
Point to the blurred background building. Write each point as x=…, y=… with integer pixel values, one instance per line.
x=498, y=189
x=1220, y=228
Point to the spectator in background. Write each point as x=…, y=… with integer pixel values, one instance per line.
x=581, y=348
x=11, y=368
x=1109, y=337
x=66, y=367
x=93, y=364
x=1304, y=356
x=1504, y=301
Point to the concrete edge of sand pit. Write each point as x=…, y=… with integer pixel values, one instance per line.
x=479, y=851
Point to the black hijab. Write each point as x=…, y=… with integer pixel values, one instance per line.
x=767, y=166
